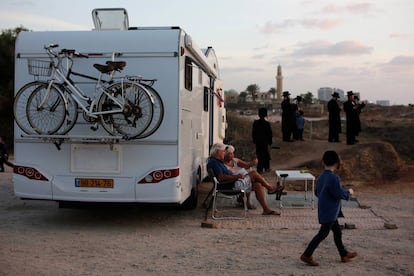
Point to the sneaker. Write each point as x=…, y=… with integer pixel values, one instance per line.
x=309, y=260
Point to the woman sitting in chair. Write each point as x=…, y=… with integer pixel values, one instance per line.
x=249, y=181
x=236, y=166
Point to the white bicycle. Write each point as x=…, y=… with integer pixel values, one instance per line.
x=51, y=106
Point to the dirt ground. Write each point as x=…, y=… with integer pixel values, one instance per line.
x=38, y=238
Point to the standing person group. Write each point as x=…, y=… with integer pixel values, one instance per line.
x=353, y=123
x=262, y=137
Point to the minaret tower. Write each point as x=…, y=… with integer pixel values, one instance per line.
x=279, y=83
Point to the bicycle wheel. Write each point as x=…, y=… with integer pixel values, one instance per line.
x=137, y=111
x=158, y=112
x=71, y=114
x=20, y=105
x=46, y=110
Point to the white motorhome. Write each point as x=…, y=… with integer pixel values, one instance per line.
x=90, y=165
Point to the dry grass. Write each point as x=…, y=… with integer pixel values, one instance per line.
x=381, y=158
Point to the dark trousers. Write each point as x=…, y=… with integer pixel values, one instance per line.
x=350, y=137
x=350, y=132
x=4, y=161
x=263, y=164
x=299, y=134
x=263, y=157
x=322, y=234
x=333, y=135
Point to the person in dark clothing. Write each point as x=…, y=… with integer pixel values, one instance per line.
x=334, y=118
x=360, y=106
x=4, y=155
x=262, y=137
x=330, y=193
x=350, y=109
x=288, y=118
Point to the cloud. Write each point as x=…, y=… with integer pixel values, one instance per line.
x=322, y=24
x=34, y=22
x=402, y=61
x=350, y=72
x=259, y=48
x=301, y=64
x=258, y=56
x=401, y=66
x=362, y=7
x=401, y=36
x=240, y=69
x=320, y=47
x=270, y=27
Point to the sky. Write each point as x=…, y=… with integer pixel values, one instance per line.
x=363, y=46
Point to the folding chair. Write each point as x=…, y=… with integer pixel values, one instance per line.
x=225, y=189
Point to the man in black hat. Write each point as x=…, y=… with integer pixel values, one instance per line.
x=288, y=118
x=352, y=116
x=334, y=118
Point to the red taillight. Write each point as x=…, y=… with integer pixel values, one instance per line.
x=159, y=175
x=29, y=172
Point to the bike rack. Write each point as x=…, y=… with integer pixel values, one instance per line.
x=58, y=140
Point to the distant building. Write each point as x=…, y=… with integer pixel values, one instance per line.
x=383, y=102
x=261, y=97
x=325, y=93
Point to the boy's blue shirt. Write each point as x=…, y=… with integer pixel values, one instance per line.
x=329, y=192
x=300, y=122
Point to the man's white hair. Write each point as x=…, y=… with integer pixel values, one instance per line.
x=216, y=147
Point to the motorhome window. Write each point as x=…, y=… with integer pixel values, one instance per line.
x=205, y=98
x=188, y=74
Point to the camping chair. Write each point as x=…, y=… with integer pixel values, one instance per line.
x=225, y=189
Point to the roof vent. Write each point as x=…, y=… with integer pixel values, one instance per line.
x=110, y=19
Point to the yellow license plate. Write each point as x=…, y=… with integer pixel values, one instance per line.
x=94, y=183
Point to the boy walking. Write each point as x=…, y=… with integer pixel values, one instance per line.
x=329, y=193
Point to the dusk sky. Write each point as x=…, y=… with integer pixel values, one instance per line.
x=364, y=46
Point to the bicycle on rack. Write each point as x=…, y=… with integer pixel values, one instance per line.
x=51, y=106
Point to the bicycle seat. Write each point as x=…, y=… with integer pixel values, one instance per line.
x=118, y=65
x=110, y=66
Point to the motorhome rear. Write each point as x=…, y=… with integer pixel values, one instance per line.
x=92, y=166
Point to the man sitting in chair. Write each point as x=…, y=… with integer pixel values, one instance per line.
x=248, y=181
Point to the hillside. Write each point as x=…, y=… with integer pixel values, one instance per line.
x=384, y=155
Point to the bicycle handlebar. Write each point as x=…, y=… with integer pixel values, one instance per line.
x=65, y=52
x=72, y=52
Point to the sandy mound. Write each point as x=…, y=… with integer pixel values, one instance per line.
x=371, y=162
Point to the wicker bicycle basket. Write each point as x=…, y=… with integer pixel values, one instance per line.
x=39, y=67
